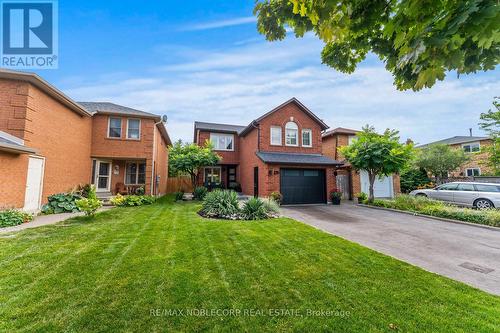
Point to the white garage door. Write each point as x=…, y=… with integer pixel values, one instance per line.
x=382, y=188
x=33, y=194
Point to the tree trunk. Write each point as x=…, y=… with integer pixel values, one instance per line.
x=371, y=178
x=194, y=179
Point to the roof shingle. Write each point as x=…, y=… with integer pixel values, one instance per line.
x=456, y=140
x=295, y=158
x=112, y=108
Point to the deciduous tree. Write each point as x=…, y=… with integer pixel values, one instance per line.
x=490, y=122
x=188, y=159
x=439, y=160
x=378, y=154
x=419, y=41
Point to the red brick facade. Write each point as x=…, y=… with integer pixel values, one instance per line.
x=258, y=138
x=67, y=141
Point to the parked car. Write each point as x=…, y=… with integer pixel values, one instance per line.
x=477, y=195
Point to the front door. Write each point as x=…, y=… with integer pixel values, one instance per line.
x=33, y=194
x=103, y=176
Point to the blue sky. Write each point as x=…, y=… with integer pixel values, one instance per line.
x=204, y=60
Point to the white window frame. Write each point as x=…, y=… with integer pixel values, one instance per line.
x=350, y=139
x=307, y=130
x=136, y=174
x=109, y=128
x=467, y=174
x=217, y=135
x=271, y=135
x=296, y=130
x=470, y=144
x=128, y=120
x=213, y=168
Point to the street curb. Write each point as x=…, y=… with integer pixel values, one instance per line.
x=484, y=226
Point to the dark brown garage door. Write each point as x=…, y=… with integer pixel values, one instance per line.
x=303, y=186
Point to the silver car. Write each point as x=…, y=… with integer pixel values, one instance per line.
x=477, y=195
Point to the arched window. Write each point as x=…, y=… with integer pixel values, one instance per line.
x=291, y=134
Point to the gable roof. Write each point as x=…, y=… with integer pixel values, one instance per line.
x=454, y=140
x=46, y=87
x=120, y=110
x=198, y=125
x=296, y=158
x=291, y=100
x=340, y=130
x=112, y=108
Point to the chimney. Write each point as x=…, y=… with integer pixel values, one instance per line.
x=470, y=131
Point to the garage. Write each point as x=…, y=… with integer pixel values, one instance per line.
x=303, y=186
x=382, y=188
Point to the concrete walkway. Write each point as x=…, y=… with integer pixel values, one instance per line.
x=462, y=252
x=42, y=220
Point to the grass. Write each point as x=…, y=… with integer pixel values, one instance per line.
x=426, y=206
x=137, y=268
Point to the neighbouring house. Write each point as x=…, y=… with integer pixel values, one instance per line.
x=350, y=181
x=280, y=151
x=471, y=145
x=50, y=144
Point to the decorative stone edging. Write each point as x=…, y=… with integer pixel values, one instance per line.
x=485, y=226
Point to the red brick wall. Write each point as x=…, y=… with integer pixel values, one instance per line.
x=280, y=118
x=228, y=157
x=161, y=161
x=112, y=148
x=13, y=174
x=13, y=102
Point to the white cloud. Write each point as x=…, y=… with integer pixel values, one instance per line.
x=219, y=24
x=241, y=83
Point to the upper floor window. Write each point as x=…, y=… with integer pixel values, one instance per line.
x=307, y=138
x=351, y=139
x=471, y=147
x=291, y=134
x=470, y=172
x=115, y=127
x=133, y=129
x=276, y=135
x=222, y=141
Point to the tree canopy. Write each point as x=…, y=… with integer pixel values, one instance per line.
x=439, y=159
x=377, y=154
x=490, y=122
x=189, y=158
x=419, y=41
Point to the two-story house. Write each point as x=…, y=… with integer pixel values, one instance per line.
x=50, y=144
x=471, y=145
x=348, y=180
x=280, y=151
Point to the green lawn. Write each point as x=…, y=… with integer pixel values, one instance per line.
x=136, y=269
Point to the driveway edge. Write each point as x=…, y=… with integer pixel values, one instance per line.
x=484, y=226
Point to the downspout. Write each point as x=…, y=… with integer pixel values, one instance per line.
x=153, y=180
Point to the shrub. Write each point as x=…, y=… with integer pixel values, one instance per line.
x=277, y=197
x=132, y=200
x=140, y=190
x=89, y=205
x=200, y=192
x=235, y=187
x=83, y=190
x=61, y=203
x=436, y=208
x=178, y=195
x=117, y=200
x=272, y=208
x=362, y=197
x=254, y=209
x=335, y=195
x=222, y=204
x=12, y=217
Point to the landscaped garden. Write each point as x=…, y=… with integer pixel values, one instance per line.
x=425, y=206
x=163, y=267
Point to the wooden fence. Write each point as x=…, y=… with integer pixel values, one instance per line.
x=175, y=184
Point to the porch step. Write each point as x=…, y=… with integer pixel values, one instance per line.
x=105, y=197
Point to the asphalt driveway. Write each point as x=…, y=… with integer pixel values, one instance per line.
x=465, y=253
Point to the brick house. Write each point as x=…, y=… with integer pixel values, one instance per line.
x=280, y=151
x=50, y=144
x=471, y=145
x=348, y=180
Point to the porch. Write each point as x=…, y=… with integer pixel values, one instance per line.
x=113, y=176
x=221, y=176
